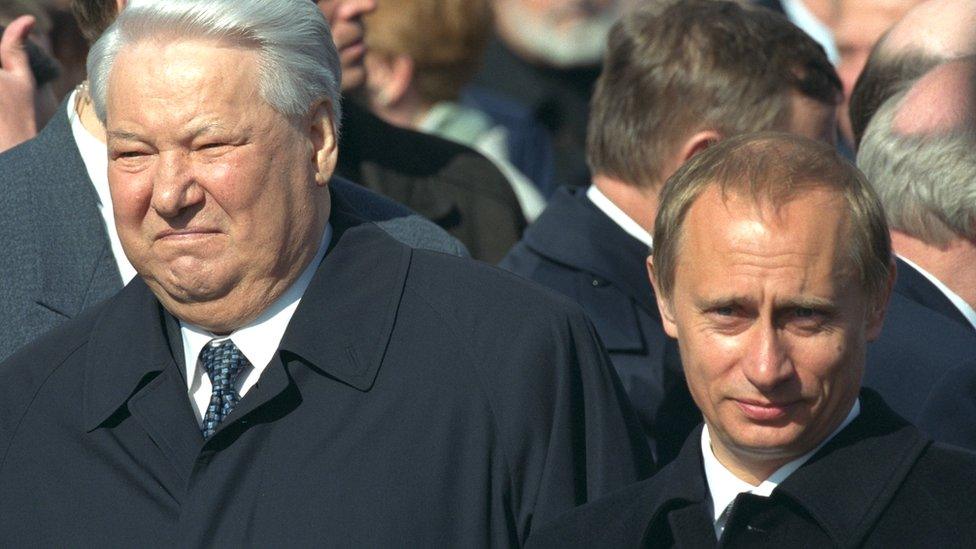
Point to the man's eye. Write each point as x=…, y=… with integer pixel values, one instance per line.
x=724, y=311
x=805, y=312
x=129, y=154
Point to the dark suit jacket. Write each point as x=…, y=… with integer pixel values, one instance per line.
x=417, y=399
x=56, y=260
x=577, y=250
x=924, y=337
x=878, y=483
x=446, y=182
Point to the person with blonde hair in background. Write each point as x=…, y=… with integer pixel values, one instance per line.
x=415, y=73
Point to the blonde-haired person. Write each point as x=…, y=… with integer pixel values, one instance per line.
x=415, y=73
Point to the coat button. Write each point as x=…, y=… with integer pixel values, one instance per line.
x=597, y=282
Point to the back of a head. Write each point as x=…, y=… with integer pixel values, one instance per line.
x=298, y=62
x=931, y=33
x=917, y=152
x=445, y=39
x=673, y=68
x=93, y=16
x=772, y=168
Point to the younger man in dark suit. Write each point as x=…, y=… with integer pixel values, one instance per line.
x=678, y=77
x=772, y=265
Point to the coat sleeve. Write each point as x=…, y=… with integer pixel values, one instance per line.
x=571, y=433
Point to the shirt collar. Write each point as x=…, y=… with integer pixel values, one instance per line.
x=618, y=216
x=724, y=486
x=259, y=340
x=965, y=308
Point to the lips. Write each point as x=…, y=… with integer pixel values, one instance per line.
x=763, y=411
x=185, y=234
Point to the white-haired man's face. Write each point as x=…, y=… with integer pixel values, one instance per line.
x=219, y=199
x=562, y=33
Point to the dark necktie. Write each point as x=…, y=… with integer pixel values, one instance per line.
x=223, y=362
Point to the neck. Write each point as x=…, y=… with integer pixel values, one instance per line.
x=86, y=114
x=951, y=263
x=639, y=203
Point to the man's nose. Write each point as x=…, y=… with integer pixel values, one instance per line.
x=351, y=9
x=768, y=364
x=175, y=188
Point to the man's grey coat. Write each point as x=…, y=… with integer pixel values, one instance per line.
x=55, y=257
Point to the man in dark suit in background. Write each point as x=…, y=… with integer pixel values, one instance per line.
x=283, y=372
x=917, y=151
x=772, y=265
x=678, y=77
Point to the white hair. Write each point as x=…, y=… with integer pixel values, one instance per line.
x=926, y=182
x=298, y=61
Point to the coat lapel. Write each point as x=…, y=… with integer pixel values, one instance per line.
x=858, y=471
x=133, y=366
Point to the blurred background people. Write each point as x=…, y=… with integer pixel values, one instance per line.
x=546, y=56
x=680, y=76
x=27, y=100
x=420, y=54
x=847, y=29
x=446, y=182
x=929, y=34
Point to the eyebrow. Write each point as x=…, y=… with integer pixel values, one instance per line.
x=807, y=302
x=203, y=129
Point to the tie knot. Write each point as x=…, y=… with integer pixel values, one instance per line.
x=223, y=362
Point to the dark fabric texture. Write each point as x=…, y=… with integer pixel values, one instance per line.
x=920, y=343
x=446, y=182
x=437, y=401
x=577, y=250
x=879, y=483
x=56, y=259
x=558, y=98
x=949, y=414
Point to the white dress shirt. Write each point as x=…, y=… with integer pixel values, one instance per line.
x=618, y=216
x=258, y=341
x=965, y=308
x=724, y=486
x=94, y=154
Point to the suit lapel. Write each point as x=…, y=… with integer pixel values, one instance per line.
x=75, y=265
x=132, y=365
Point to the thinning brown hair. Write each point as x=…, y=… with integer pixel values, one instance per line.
x=675, y=67
x=773, y=168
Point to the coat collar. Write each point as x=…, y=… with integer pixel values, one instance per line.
x=574, y=232
x=81, y=269
x=341, y=326
x=845, y=474
x=848, y=474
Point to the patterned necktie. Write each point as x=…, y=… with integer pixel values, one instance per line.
x=223, y=362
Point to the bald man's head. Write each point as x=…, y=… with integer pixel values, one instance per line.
x=930, y=33
x=941, y=102
x=917, y=152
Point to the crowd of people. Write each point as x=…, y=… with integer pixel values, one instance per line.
x=481, y=273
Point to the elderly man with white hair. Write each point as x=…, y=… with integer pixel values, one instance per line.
x=283, y=372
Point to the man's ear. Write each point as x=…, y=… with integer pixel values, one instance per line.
x=875, y=319
x=389, y=78
x=325, y=150
x=663, y=305
x=698, y=142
